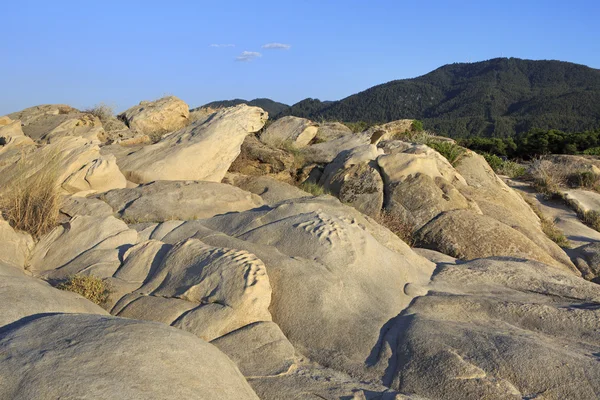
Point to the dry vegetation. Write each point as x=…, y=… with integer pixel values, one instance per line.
x=92, y=288
x=313, y=188
x=32, y=204
x=400, y=227
x=103, y=111
x=548, y=177
x=548, y=226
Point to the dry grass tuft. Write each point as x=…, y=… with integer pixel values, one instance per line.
x=32, y=204
x=103, y=111
x=548, y=226
x=400, y=227
x=313, y=188
x=88, y=286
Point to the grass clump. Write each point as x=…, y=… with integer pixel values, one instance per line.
x=451, y=151
x=398, y=225
x=548, y=226
x=504, y=167
x=103, y=111
x=584, y=179
x=591, y=218
x=88, y=286
x=313, y=188
x=32, y=204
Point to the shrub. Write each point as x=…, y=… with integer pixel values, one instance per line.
x=592, y=219
x=512, y=169
x=451, y=151
x=399, y=226
x=32, y=204
x=313, y=188
x=416, y=126
x=592, y=151
x=103, y=111
x=88, y=286
x=585, y=179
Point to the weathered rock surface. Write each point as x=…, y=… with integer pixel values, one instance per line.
x=99, y=357
x=14, y=246
x=208, y=291
x=499, y=329
x=337, y=254
x=85, y=245
x=160, y=116
x=74, y=162
x=184, y=200
x=354, y=178
x=331, y=130
x=466, y=235
x=49, y=122
x=23, y=296
x=289, y=131
x=269, y=189
x=257, y=158
x=201, y=151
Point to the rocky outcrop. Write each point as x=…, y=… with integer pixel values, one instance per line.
x=271, y=190
x=257, y=158
x=184, y=200
x=201, y=151
x=354, y=178
x=289, y=131
x=495, y=328
x=73, y=162
x=157, y=117
x=85, y=245
x=93, y=356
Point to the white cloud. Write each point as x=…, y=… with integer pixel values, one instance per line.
x=222, y=45
x=248, y=56
x=276, y=46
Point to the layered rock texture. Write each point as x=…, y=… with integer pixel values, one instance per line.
x=225, y=280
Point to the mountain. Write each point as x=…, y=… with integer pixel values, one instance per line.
x=270, y=106
x=498, y=97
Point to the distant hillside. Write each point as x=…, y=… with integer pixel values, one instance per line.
x=270, y=106
x=498, y=97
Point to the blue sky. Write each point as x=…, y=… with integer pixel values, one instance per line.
x=120, y=52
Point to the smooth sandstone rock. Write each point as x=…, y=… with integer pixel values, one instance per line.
x=15, y=247
x=466, y=235
x=163, y=115
x=289, y=131
x=201, y=151
x=84, y=245
x=23, y=296
x=184, y=200
x=99, y=357
x=205, y=290
x=497, y=328
x=271, y=190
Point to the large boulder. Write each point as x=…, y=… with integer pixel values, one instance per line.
x=208, y=291
x=466, y=235
x=257, y=158
x=496, y=200
x=98, y=357
x=85, y=245
x=332, y=270
x=201, y=151
x=157, y=117
x=23, y=296
x=184, y=200
x=48, y=122
x=73, y=163
x=331, y=130
x=354, y=178
x=12, y=134
x=498, y=329
x=269, y=189
x=289, y=131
